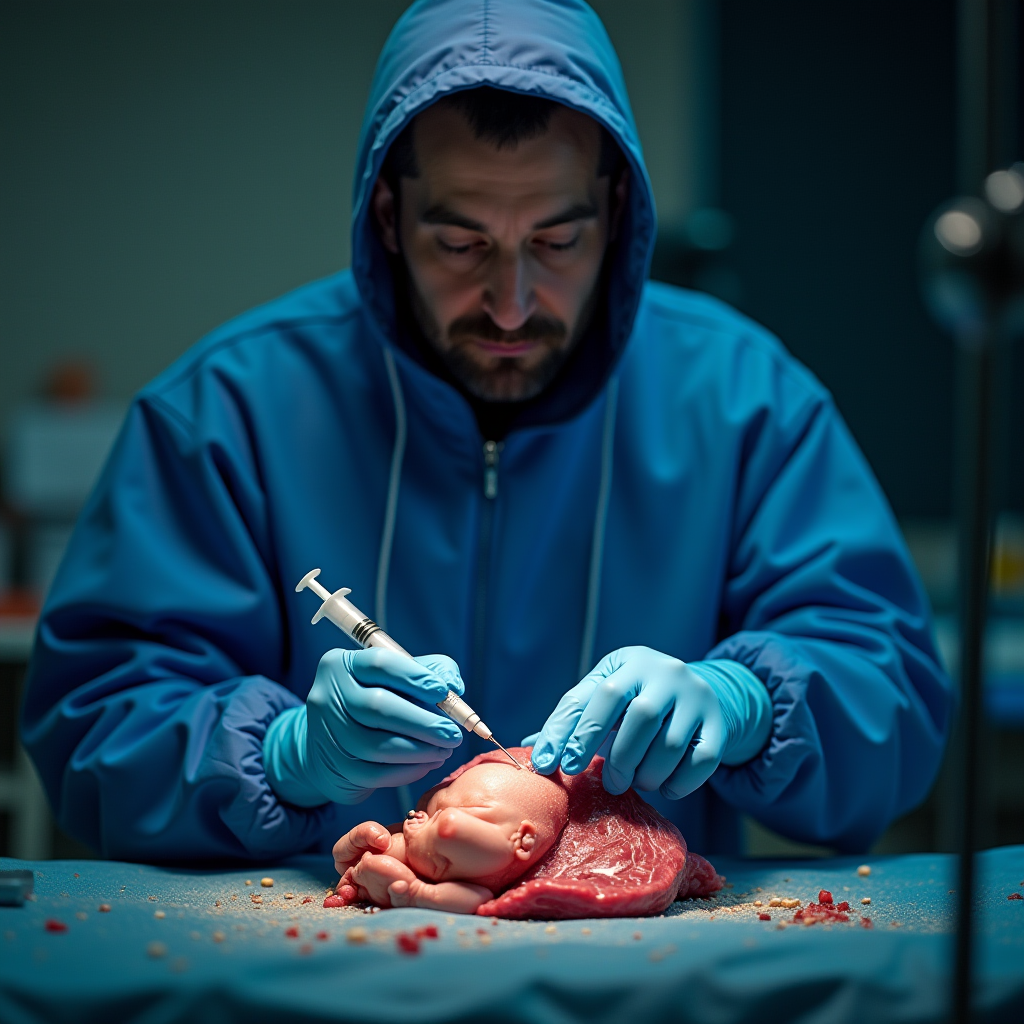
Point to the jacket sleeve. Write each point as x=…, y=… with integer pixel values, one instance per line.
x=151, y=684
x=825, y=607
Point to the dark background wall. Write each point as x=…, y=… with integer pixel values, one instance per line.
x=838, y=135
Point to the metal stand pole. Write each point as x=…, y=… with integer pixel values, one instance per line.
x=975, y=514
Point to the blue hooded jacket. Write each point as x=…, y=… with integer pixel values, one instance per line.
x=700, y=496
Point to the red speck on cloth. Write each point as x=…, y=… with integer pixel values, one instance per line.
x=427, y=932
x=323, y=936
x=53, y=925
x=77, y=875
x=407, y=943
x=307, y=899
x=845, y=906
x=1015, y=896
x=292, y=933
x=865, y=922
x=824, y=896
x=306, y=949
x=815, y=913
x=764, y=917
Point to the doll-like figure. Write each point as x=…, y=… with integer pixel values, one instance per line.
x=493, y=839
x=470, y=837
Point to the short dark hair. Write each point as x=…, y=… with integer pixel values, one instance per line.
x=499, y=116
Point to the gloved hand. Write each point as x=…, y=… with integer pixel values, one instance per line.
x=356, y=733
x=680, y=721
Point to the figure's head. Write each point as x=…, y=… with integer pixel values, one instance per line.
x=487, y=825
x=502, y=207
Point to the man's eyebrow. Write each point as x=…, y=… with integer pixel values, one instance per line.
x=578, y=211
x=441, y=214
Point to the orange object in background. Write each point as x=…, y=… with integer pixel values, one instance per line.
x=18, y=603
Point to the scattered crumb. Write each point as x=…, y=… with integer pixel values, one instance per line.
x=306, y=948
x=866, y=901
x=307, y=899
x=449, y=920
x=81, y=915
x=159, y=914
x=152, y=899
x=551, y=929
x=758, y=903
x=758, y=889
x=239, y=927
x=76, y=874
x=218, y=936
x=156, y=950
x=267, y=883
x=289, y=895
x=637, y=936
x=895, y=924
x=494, y=920
x=248, y=881
x=291, y=933
x=864, y=870
x=323, y=936
x=584, y=931
x=216, y=903
x=356, y=935
x=790, y=904
x=104, y=908
x=194, y=935
x=775, y=901
x=485, y=939
x=179, y=964
x=764, y=917
x=235, y=896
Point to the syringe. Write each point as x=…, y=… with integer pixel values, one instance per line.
x=352, y=622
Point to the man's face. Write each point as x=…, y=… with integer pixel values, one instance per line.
x=503, y=247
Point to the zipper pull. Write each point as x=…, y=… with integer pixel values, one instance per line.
x=492, y=451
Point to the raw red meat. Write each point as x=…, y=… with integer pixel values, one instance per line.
x=616, y=857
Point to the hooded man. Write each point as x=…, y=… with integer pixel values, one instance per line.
x=515, y=450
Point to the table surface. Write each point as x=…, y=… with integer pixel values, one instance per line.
x=189, y=945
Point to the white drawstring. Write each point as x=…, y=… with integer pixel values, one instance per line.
x=600, y=520
x=394, y=481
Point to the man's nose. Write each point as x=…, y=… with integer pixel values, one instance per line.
x=508, y=295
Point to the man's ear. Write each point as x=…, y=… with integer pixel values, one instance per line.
x=385, y=213
x=524, y=841
x=619, y=198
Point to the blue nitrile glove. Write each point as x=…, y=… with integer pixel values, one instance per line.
x=679, y=721
x=356, y=733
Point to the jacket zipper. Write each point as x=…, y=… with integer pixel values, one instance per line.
x=492, y=454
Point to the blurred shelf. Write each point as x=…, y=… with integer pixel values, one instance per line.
x=17, y=633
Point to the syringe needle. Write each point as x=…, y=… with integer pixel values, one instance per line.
x=510, y=757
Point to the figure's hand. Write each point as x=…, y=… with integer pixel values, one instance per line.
x=679, y=721
x=367, y=837
x=453, y=897
x=374, y=873
x=368, y=722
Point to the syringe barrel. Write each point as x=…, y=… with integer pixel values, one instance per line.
x=462, y=714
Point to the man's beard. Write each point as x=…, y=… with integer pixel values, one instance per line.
x=510, y=380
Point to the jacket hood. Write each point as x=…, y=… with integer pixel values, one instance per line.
x=555, y=49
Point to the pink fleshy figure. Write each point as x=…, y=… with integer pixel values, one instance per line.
x=497, y=841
